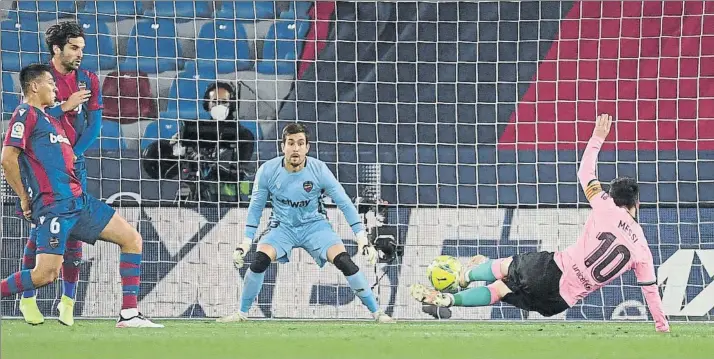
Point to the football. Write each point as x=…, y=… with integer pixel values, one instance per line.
x=443, y=273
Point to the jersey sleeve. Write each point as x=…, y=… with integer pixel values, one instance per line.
x=335, y=190
x=646, y=278
x=96, y=102
x=587, y=174
x=257, y=202
x=20, y=129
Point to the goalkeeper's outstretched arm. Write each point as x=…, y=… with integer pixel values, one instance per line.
x=587, y=173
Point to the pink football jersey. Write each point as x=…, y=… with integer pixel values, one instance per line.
x=611, y=243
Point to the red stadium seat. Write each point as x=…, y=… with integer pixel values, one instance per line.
x=128, y=98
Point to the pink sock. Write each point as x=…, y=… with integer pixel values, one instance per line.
x=494, y=294
x=496, y=268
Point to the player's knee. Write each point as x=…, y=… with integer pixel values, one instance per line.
x=43, y=275
x=344, y=263
x=261, y=262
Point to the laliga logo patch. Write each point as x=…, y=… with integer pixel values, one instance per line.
x=307, y=186
x=18, y=130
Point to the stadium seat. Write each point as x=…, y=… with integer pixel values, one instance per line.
x=186, y=96
x=161, y=129
x=283, y=46
x=183, y=11
x=150, y=40
x=10, y=98
x=20, y=44
x=127, y=97
x=225, y=43
x=297, y=10
x=246, y=10
x=46, y=10
x=110, y=137
x=127, y=8
x=99, y=51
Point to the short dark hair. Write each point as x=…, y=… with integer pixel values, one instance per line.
x=226, y=86
x=59, y=34
x=624, y=191
x=294, y=128
x=30, y=73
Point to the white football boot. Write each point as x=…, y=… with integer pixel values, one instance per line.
x=131, y=318
x=236, y=317
x=431, y=296
x=381, y=317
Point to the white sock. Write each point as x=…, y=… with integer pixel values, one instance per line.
x=129, y=313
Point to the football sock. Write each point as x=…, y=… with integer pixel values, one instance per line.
x=252, y=284
x=360, y=286
x=28, y=258
x=70, y=268
x=476, y=297
x=16, y=283
x=130, y=272
x=488, y=271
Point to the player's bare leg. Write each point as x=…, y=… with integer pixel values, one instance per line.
x=119, y=231
x=45, y=271
x=338, y=256
x=253, y=282
x=474, y=297
x=481, y=268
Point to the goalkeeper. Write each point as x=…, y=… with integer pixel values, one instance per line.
x=549, y=283
x=295, y=184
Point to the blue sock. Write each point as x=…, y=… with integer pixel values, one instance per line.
x=28, y=258
x=252, y=284
x=69, y=289
x=359, y=285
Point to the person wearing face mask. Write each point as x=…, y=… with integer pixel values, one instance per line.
x=213, y=156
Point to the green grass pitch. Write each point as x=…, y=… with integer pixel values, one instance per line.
x=359, y=340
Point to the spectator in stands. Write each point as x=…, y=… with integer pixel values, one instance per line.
x=214, y=155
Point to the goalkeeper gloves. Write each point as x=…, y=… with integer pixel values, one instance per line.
x=365, y=248
x=241, y=251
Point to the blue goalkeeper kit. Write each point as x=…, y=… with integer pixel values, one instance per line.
x=299, y=218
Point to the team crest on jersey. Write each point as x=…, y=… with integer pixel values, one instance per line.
x=18, y=130
x=54, y=242
x=82, y=85
x=307, y=186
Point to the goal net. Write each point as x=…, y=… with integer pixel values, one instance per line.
x=468, y=118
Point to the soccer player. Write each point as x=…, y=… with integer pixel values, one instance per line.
x=78, y=107
x=295, y=184
x=611, y=243
x=37, y=157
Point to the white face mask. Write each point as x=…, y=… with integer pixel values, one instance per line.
x=219, y=112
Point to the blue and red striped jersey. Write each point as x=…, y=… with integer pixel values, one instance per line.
x=75, y=121
x=46, y=161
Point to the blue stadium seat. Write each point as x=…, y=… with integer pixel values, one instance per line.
x=225, y=43
x=99, y=50
x=20, y=44
x=161, y=129
x=128, y=8
x=246, y=10
x=110, y=137
x=297, y=10
x=10, y=99
x=47, y=10
x=183, y=11
x=186, y=96
x=150, y=40
x=283, y=46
